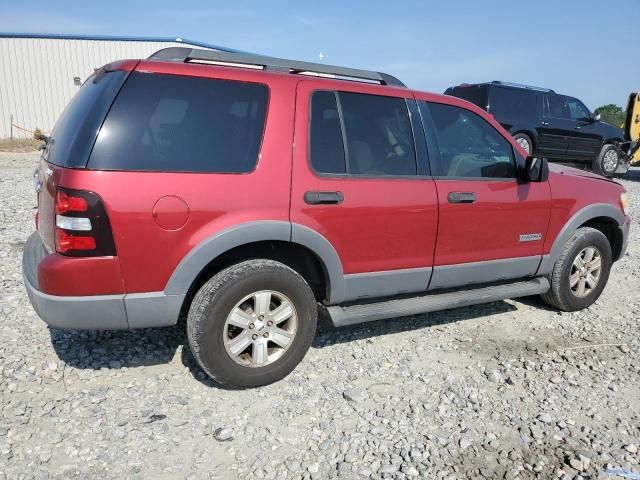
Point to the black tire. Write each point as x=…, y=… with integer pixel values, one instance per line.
x=560, y=294
x=218, y=297
x=602, y=164
x=523, y=138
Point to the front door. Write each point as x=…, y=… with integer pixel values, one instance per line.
x=359, y=181
x=555, y=128
x=585, y=141
x=491, y=226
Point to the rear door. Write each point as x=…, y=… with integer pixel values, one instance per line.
x=585, y=140
x=491, y=227
x=555, y=128
x=360, y=181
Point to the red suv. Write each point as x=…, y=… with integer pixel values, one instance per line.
x=246, y=191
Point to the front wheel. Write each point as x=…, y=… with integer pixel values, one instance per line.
x=606, y=163
x=252, y=323
x=581, y=271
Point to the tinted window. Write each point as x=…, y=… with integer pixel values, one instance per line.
x=326, y=146
x=187, y=124
x=511, y=101
x=75, y=131
x=476, y=94
x=379, y=138
x=557, y=106
x=577, y=110
x=469, y=146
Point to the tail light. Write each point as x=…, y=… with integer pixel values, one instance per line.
x=82, y=226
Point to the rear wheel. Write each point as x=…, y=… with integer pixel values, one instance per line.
x=606, y=163
x=525, y=142
x=581, y=272
x=252, y=323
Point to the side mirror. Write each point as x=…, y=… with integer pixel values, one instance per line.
x=596, y=117
x=535, y=169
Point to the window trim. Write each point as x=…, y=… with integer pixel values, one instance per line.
x=434, y=148
x=348, y=174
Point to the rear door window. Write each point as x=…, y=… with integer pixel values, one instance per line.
x=557, y=106
x=512, y=101
x=376, y=129
x=175, y=123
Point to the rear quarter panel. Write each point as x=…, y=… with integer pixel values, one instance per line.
x=149, y=254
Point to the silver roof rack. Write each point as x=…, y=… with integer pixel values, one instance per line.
x=248, y=60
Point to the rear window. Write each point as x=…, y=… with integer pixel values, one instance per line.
x=75, y=131
x=174, y=123
x=509, y=101
x=476, y=94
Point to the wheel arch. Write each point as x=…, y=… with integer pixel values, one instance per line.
x=601, y=216
x=301, y=248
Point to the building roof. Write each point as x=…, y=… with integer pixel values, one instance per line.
x=115, y=38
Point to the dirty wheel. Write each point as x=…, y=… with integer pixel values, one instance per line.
x=581, y=271
x=252, y=323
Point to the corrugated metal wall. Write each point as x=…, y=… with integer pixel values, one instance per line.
x=36, y=75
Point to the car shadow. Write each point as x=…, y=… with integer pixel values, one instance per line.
x=117, y=349
x=329, y=335
x=633, y=175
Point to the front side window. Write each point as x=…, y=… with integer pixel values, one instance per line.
x=577, y=110
x=469, y=146
x=174, y=123
x=557, y=106
x=376, y=129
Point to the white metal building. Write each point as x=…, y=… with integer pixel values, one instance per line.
x=40, y=73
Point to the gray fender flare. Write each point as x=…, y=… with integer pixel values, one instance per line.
x=264, y=230
x=580, y=217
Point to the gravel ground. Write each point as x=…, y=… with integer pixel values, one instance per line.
x=506, y=390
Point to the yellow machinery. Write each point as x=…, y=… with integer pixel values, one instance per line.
x=632, y=127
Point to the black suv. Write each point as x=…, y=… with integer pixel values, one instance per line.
x=545, y=123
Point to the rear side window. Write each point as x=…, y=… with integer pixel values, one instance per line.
x=476, y=94
x=175, y=123
x=469, y=146
x=75, y=130
x=377, y=131
x=511, y=101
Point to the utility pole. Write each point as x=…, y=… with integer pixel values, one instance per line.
x=11, y=126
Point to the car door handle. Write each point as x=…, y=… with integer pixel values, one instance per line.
x=545, y=124
x=323, y=198
x=461, y=197
x=577, y=127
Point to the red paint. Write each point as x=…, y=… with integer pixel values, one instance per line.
x=170, y=212
x=60, y=275
x=382, y=224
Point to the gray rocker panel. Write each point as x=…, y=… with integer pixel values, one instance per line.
x=453, y=276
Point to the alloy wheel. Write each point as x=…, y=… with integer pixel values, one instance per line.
x=585, y=272
x=260, y=328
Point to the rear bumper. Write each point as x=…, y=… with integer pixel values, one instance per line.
x=95, y=312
